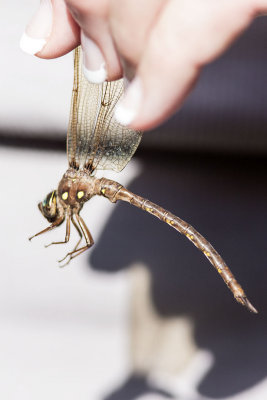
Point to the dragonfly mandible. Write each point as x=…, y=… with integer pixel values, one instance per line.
x=96, y=141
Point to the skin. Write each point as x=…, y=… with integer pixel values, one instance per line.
x=165, y=43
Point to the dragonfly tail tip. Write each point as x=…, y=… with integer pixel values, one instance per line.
x=245, y=302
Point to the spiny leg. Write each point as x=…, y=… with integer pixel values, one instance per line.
x=79, y=232
x=50, y=227
x=67, y=235
x=88, y=238
x=79, y=241
x=87, y=235
x=114, y=191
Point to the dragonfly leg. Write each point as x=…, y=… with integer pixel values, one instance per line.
x=50, y=227
x=79, y=232
x=82, y=230
x=67, y=235
x=77, y=244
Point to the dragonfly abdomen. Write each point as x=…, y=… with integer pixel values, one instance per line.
x=114, y=191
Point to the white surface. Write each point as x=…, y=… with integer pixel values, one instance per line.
x=63, y=331
x=35, y=93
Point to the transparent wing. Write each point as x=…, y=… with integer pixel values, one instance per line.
x=95, y=140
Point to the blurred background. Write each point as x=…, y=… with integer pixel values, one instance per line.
x=142, y=315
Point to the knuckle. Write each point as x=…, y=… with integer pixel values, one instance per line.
x=91, y=7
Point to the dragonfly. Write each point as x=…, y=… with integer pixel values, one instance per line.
x=96, y=141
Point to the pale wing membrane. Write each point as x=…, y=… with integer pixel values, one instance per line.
x=95, y=139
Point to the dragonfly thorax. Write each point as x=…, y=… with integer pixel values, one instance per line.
x=75, y=188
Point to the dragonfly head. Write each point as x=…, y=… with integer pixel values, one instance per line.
x=49, y=207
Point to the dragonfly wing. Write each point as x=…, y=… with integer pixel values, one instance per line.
x=95, y=139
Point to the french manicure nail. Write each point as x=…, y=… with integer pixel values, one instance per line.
x=38, y=30
x=129, y=106
x=94, y=67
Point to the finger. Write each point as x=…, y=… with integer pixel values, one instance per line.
x=130, y=23
x=188, y=35
x=52, y=32
x=100, y=59
x=259, y=7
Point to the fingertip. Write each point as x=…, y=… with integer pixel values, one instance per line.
x=31, y=45
x=94, y=66
x=65, y=34
x=131, y=110
x=51, y=32
x=128, y=107
x=97, y=76
x=157, y=92
x=38, y=29
x=145, y=105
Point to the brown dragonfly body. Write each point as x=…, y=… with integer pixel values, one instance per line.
x=97, y=141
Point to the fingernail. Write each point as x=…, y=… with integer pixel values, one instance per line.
x=94, y=67
x=38, y=30
x=128, y=108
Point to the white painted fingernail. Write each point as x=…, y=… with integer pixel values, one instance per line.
x=129, y=106
x=38, y=30
x=94, y=67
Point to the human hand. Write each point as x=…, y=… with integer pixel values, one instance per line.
x=160, y=45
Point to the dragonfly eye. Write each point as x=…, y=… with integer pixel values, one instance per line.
x=49, y=206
